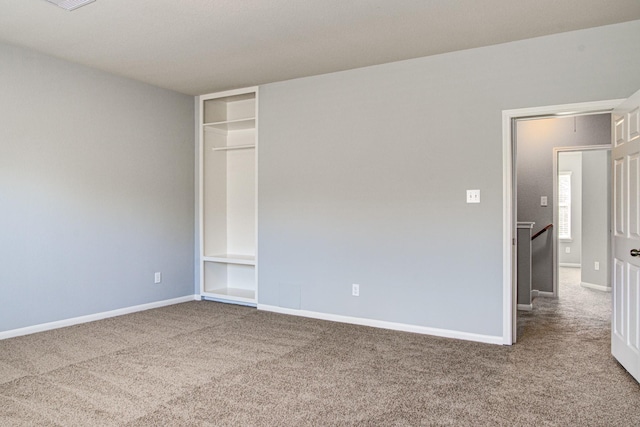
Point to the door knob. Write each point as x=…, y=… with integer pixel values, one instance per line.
x=635, y=252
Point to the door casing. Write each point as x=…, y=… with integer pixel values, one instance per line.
x=509, y=215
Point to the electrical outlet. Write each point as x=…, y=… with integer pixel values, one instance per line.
x=596, y=265
x=355, y=290
x=567, y=250
x=157, y=277
x=473, y=196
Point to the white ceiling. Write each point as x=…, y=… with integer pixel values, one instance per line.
x=200, y=46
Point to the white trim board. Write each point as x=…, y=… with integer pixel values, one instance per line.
x=525, y=307
x=545, y=294
x=91, y=317
x=569, y=265
x=445, y=333
x=509, y=305
x=601, y=288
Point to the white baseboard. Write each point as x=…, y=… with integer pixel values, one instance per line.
x=91, y=317
x=446, y=333
x=596, y=287
x=542, y=294
x=570, y=265
x=534, y=293
x=525, y=307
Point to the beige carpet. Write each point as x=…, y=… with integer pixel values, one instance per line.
x=204, y=363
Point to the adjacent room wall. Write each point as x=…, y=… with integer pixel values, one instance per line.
x=536, y=140
x=96, y=188
x=363, y=176
x=596, y=242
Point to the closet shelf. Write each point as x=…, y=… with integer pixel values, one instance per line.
x=231, y=259
x=231, y=125
x=231, y=294
x=234, y=147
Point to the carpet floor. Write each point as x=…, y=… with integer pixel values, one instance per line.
x=210, y=364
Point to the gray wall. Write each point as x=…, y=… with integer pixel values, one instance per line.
x=596, y=243
x=536, y=140
x=96, y=187
x=363, y=175
x=572, y=162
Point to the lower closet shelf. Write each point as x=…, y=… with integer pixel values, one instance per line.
x=232, y=294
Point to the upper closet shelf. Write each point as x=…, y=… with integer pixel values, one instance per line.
x=234, y=147
x=231, y=259
x=231, y=125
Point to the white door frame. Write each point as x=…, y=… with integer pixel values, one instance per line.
x=509, y=303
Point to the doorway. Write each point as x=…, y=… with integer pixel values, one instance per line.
x=510, y=119
x=582, y=215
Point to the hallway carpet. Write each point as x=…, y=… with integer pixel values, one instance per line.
x=205, y=363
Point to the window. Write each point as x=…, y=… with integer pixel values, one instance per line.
x=564, y=205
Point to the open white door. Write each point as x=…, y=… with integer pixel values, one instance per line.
x=625, y=322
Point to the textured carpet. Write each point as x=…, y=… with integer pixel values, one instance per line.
x=204, y=363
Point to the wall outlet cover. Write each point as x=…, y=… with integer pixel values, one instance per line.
x=473, y=196
x=355, y=290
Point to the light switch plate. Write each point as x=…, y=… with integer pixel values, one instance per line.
x=473, y=196
x=543, y=201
